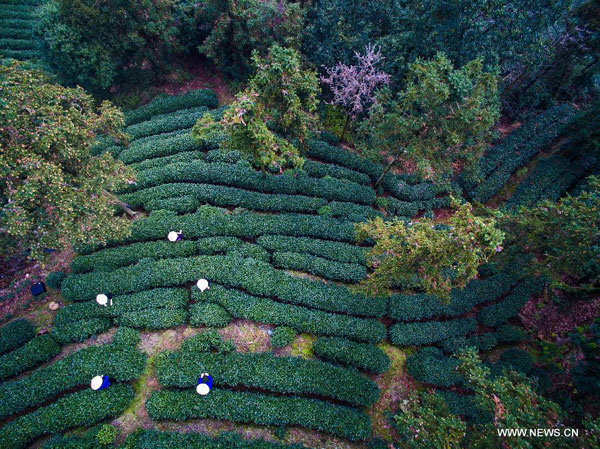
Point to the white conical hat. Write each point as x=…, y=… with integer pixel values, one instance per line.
x=202, y=389
x=102, y=299
x=202, y=284
x=173, y=236
x=96, y=382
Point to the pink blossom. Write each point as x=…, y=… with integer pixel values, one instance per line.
x=354, y=86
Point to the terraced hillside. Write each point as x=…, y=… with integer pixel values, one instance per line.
x=17, y=20
x=280, y=256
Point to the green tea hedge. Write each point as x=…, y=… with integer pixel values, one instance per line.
x=83, y=408
x=340, y=252
x=212, y=222
x=496, y=314
x=359, y=355
x=111, y=258
x=255, y=276
x=282, y=336
x=341, y=421
x=31, y=354
x=320, y=170
x=153, y=318
x=209, y=314
x=154, y=439
x=431, y=366
x=289, y=375
x=183, y=119
x=167, y=103
x=117, y=362
x=242, y=175
x=159, y=147
x=339, y=156
x=155, y=198
x=328, y=269
x=186, y=156
x=242, y=305
x=15, y=334
x=404, y=334
x=79, y=330
x=415, y=307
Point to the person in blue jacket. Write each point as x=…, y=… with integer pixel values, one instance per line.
x=205, y=384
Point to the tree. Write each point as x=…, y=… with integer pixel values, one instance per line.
x=99, y=43
x=52, y=192
x=425, y=422
x=353, y=87
x=227, y=32
x=442, y=119
x=421, y=254
x=564, y=237
x=278, y=104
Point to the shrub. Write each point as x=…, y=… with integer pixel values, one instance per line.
x=250, y=250
x=15, y=334
x=154, y=439
x=340, y=252
x=211, y=222
x=496, y=314
x=515, y=359
x=209, y=314
x=242, y=305
x=154, y=199
x=111, y=258
x=317, y=169
x=79, y=330
x=482, y=342
x=255, y=276
x=36, y=351
x=282, y=336
x=166, y=103
x=340, y=156
x=153, y=318
x=185, y=156
x=119, y=363
x=404, y=334
x=360, y=355
x=84, y=408
x=158, y=146
x=126, y=336
x=346, y=422
x=465, y=405
x=242, y=176
x=337, y=271
x=508, y=333
x=55, y=279
x=429, y=365
x=405, y=307
x=165, y=123
x=205, y=342
x=290, y=375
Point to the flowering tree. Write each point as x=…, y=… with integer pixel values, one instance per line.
x=52, y=192
x=353, y=86
x=427, y=256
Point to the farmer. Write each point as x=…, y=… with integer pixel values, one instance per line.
x=205, y=383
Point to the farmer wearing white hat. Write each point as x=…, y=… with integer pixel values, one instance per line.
x=174, y=236
x=205, y=383
x=99, y=383
x=202, y=284
x=103, y=299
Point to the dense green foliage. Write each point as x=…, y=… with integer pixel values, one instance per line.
x=39, y=350
x=153, y=439
x=15, y=334
x=52, y=192
x=290, y=375
x=420, y=255
x=461, y=104
x=118, y=362
x=282, y=336
x=97, y=45
x=565, y=237
x=360, y=355
x=84, y=408
x=346, y=422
